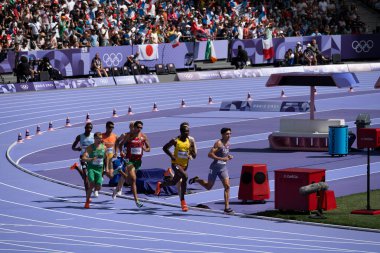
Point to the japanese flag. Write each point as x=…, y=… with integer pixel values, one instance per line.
x=148, y=52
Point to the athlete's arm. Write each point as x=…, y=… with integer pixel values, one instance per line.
x=193, y=148
x=119, y=142
x=75, y=143
x=85, y=157
x=146, y=146
x=115, y=147
x=166, y=148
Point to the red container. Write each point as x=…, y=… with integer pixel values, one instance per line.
x=254, y=184
x=329, y=201
x=287, y=185
x=368, y=137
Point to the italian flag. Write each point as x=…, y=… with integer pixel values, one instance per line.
x=210, y=52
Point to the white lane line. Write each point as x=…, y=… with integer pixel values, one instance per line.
x=88, y=243
x=45, y=242
x=31, y=247
x=201, y=244
x=159, y=216
x=118, y=234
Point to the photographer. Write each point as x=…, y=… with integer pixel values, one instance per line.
x=240, y=61
x=131, y=60
x=24, y=70
x=45, y=65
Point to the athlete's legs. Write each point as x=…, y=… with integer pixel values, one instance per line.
x=226, y=184
x=84, y=176
x=209, y=183
x=174, y=180
x=91, y=185
x=109, y=167
x=179, y=175
x=89, y=190
x=225, y=178
x=206, y=184
x=132, y=179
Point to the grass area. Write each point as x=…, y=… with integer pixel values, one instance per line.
x=342, y=215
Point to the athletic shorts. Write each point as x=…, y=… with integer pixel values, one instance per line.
x=95, y=176
x=217, y=170
x=136, y=164
x=109, y=155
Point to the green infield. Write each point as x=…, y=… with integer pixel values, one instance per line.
x=342, y=214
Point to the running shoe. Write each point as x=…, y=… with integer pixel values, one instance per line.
x=116, y=193
x=184, y=206
x=228, y=211
x=158, y=189
x=192, y=180
x=139, y=204
x=87, y=204
x=96, y=194
x=74, y=166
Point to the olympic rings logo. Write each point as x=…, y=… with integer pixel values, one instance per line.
x=24, y=86
x=188, y=76
x=362, y=46
x=112, y=59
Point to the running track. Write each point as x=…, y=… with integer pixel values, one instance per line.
x=38, y=215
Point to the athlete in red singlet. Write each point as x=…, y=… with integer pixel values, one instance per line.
x=135, y=143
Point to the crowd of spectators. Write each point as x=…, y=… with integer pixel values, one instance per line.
x=50, y=24
x=373, y=4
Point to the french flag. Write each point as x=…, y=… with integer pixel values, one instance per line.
x=174, y=39
x=141, y=4
x=263, y=14
x=131, y=14
x=268, y=51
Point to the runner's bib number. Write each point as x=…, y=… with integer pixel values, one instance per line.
x=182, y=154
x=136, y=151
x=109, y=151
x=98, y=161
x=221, y=162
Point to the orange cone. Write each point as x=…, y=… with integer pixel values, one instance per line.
x=210, y=102
x=27, y=135
x=19, y=138
x=183, y=103
x=67, y=122
x=114, y=114
x=351, y=89
x=249, y=97
x=130, y=111
x=283, y=94
x=38, y=130
x=88, y=120
x=50, y=126
x=155, y=109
